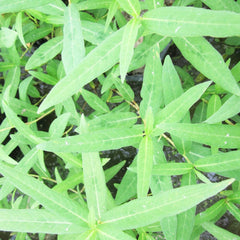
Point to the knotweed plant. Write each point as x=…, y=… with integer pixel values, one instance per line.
x=93, y=43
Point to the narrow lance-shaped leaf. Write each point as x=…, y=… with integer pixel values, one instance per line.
x=218, y=232
x=24, y=165
x=45, y=52
x=106, y=233
x=171, y=82
x=100, y=140
x=169, y=169
x=234, y=210
x=16, y=5
x=127, y=45
x=214, y=104
x=111, y=12
x=229, y=109
x=211, y=213
x=229, y=5
x=151, y=89
x=34, y=220
x=144, y=166
x=107, y=54
x=19, y=28
x=222, y=136
x=19, y=125
x=219, y=162
x=130, y=6
x=186, y=219
x=191, y=22
x=141, y=212
x=94, y=101
x=94, y=4
x=73, y=43
x=201, y=54
x=94, y=179
x=128, y=186
x=160, y=184
x=178, y=108
x=51, y=200
x=172, y=89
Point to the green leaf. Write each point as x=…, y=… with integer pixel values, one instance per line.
x=222, y=136
x=186, y=219
x=144, y=166
x=73, y=42
x=94, y=4
x=214, y=104
x=4, y=66
x=7, y=37
x=229, y=109
x=177, y=109
x=201, y=54
x=151, y=87
x=94, y=101
x=34, y=220
x=94, y=182
x=111, y=12
x=100, y=140
x=172, y=89
x=4, y=157
x=112, y=171
x=94, y=179
x=128, y=186
x=90, y=67
x=23, y=129
x=38, y=33
x=54, y=7
x=200, y=113
x=234, y=210
x=106, y=233
x=46, y=78
x=211, y=213
x=191, y=22
x=112, y=119
x=219, y=162
x=19, y=28
x=51, y=200
x=171, y=82
x=58, y=126
x=144, y=211
x=124, y=89
x=218, y=232
x=12, y=81
x=24, y=165
x=160, y=184
x=44, y=53
x=169, y=169
x=132, y=7
x=16, y=5
x=127, y=45
x=229, y=5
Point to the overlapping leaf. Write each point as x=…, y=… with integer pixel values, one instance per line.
x=222, y=136
x=16, y=5
x=52, y=201
x=32, y=221
x=208, y=61
x=100, y=140
x=191, y=22
x=142, y=212
x=73, y=43
x=101, y=59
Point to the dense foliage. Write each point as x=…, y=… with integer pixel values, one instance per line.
x=85, y=50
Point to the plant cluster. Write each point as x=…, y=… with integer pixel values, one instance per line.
x=93, y=43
